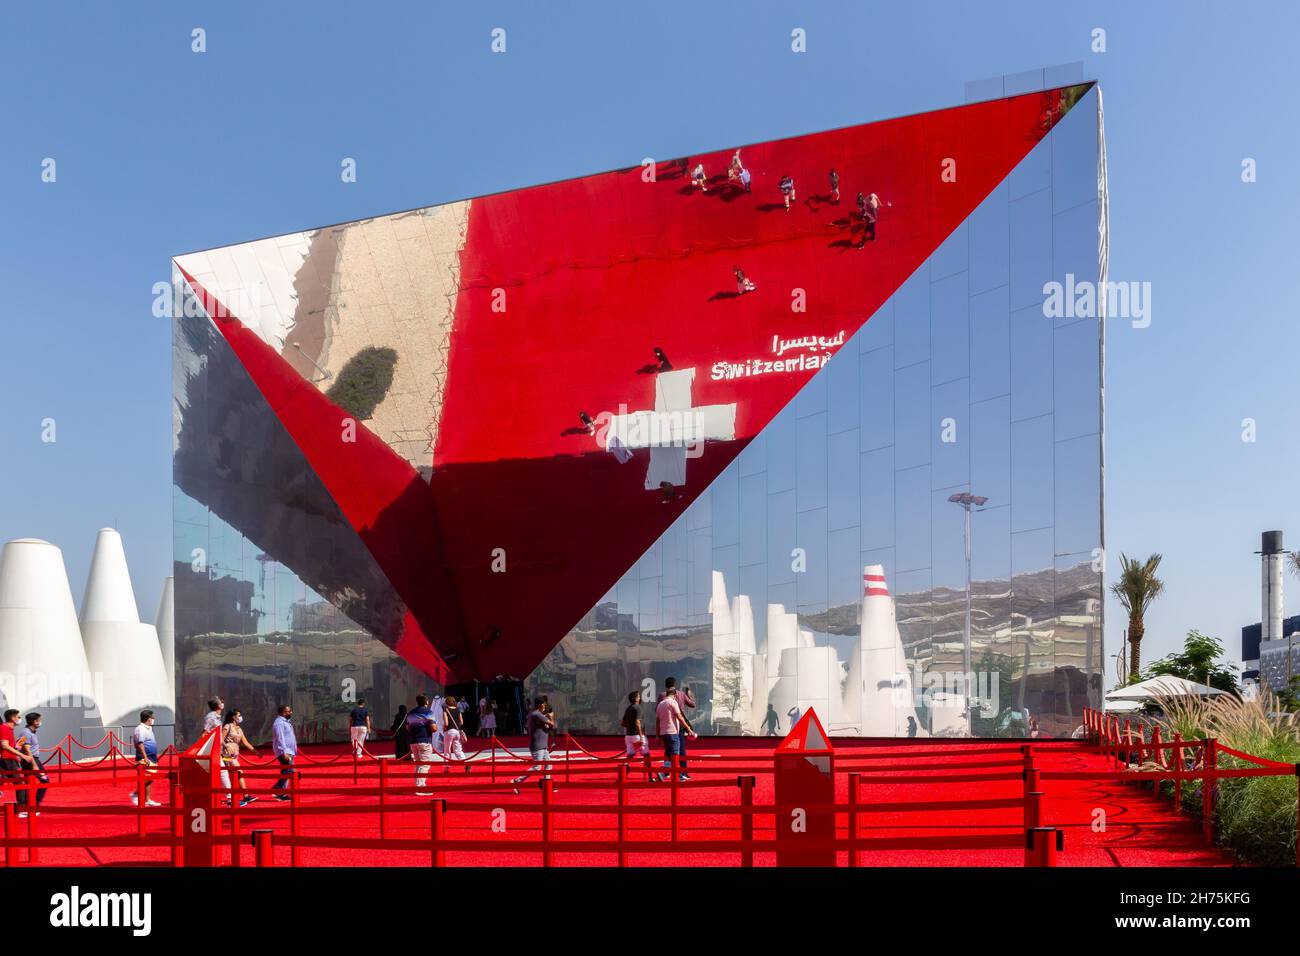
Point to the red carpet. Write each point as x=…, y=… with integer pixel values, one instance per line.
x=1138, y=831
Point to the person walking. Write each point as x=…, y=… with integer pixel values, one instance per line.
x=537, y=727
x=13, y=761
x=787, y=191
x=421, y=726
x=359, y=727
x=453, y=735
x=401, y=734
x=698, y=179
x=212, y=720
x=233, y=740
x=743, y=284
x=146, y=753
x=487, y=716
x=671, y=719
x=284, y=744
x=30, y=743
x=771, y=721
x=835, y=186
x=633, y=730
x=687, y=700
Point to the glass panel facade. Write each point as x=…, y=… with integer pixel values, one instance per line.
x=813, y=549
x=958, y=384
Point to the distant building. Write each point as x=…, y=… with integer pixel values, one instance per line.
x=1266, y=662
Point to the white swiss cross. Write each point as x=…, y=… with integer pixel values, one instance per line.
x=671, y=429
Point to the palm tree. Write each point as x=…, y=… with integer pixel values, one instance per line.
x=1136, y=588
x=1293, y=562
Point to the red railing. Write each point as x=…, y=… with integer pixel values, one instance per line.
x=488, y=771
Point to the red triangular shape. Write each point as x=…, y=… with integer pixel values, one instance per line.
x=564, y=292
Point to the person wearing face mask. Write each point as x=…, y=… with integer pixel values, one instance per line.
x=232, y=739
x=146, y=753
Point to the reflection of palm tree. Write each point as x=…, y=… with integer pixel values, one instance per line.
x=1136, y=588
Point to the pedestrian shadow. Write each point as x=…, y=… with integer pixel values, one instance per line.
x=717, y=296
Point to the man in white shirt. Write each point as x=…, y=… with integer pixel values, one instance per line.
x=146, y=753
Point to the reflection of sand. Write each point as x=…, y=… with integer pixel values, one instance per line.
x=385, y=283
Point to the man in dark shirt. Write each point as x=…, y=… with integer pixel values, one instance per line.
x=633, y=731
x=422, y=725
x=359, y=726
x=538, y=729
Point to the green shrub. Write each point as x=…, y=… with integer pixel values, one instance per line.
x=1255, y=817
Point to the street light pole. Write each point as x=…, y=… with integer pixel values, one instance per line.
x=966, y=500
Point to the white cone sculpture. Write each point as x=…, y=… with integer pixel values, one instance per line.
x=878, y=694
x=164, y=624
x=42, y=663
x=118, y=646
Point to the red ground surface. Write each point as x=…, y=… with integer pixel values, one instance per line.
x=1140, y=831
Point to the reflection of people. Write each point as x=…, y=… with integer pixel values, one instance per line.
x=911, y=726
x=787, y=190
x=793, y=713
x=771, y=721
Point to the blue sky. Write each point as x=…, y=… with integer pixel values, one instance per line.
x=160, y=151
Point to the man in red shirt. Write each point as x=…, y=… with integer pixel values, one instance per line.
x=12, y=760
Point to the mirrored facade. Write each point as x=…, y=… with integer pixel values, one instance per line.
x=958, y=385
x=412, y=451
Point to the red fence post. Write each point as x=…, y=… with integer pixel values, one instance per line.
x=178, y=817
x=548, y=795
x=1033, y=821
x=674, y=799
x=855, y=797
x=295, y=821
x=383, y=799
x=236, y=830
x=264, y=853
x=140, y=828
x=747, y=818
x=438, y=831
x=1157, y=757
x=11, y=832
x=1043, y=844
x=33, y=854
x=1208, y=787
x=1178, y=765
x=622, y=812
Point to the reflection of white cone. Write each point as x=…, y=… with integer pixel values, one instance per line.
x=733, y=638
x=118, y=646
x=41, y=658
x=164, y=624
x=880, y=685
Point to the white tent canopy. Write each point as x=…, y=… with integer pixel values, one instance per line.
x=1164, y=686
